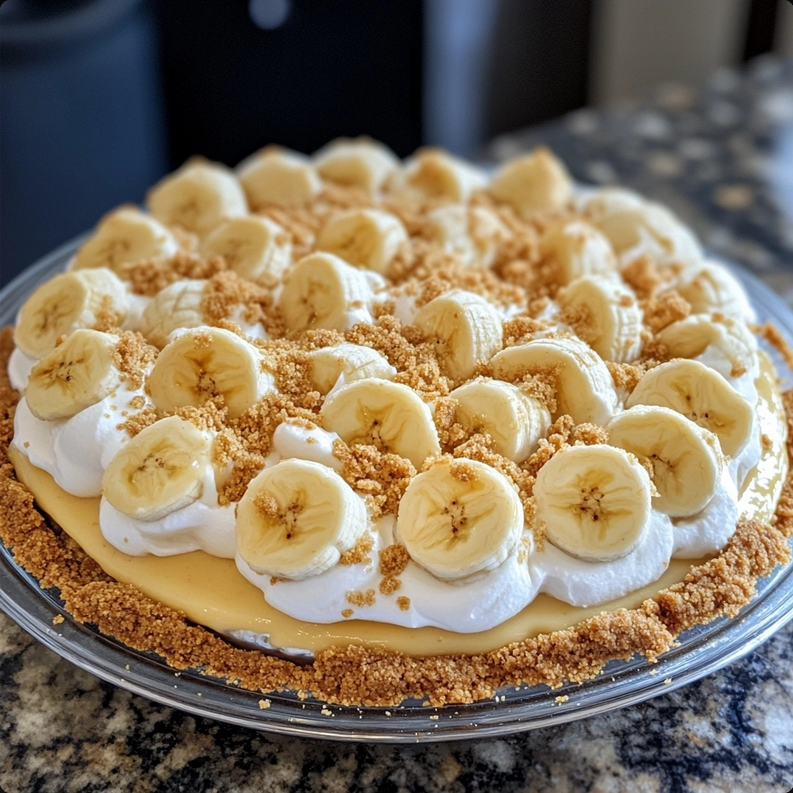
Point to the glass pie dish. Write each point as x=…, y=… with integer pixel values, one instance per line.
x=701, y=650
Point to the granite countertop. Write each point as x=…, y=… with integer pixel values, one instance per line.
x=723, y=159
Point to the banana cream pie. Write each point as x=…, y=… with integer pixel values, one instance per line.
x=374, y=429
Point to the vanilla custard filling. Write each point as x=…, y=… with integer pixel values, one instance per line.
x=549, y=590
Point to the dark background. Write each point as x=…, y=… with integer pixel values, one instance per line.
x=100, y=98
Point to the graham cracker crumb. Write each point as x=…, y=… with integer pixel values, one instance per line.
x=393, y=559
x=150, y=277
x=642, y=276
x=359, y=554
x=360, y=599
x=403, y=602
x=382, y=477
x=773, y=336
x=389, y=585
x=661, y=311
x=134, y=357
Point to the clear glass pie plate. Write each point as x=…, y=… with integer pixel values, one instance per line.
x=701, y=650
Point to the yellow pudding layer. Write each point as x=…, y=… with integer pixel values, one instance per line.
x=211, y=591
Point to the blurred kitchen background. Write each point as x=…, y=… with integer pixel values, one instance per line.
x=100, y=98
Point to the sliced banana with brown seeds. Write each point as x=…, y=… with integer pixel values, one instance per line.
x=71, y=300
x=700, y=394
x=297, y=518
x=690, y=337
x=178, y=306
x=593, y=501
x=368, y=238
x=514, y=420
x=348, y=361
x=357, y=162
x=390, y=416
x=466, y=329
x=635, y=226
x=584, y=388
x=459, y=518
x=126, y=236
x=197, y=197
x=712, y=288
x=534, y=182
x=435, y=175
x=686, y=459
x=75, y=375
x=280, y=177
x=472, y=235
x=605, y=314
x=203, y=363
x=324, y=291
x=255, y=247
x=577, y=249
x=159, y=471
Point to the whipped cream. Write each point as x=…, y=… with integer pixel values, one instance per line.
x=200, y=526
x=584, y=583
x=465, y=607
x=19, y=366
x=95, y=432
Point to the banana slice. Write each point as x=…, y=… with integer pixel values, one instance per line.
x=584, y=388
x=514, y=420
x=471, y=234
x=360, y=162
x=633, y=224
x=125, y=236
x=686, y=458
x=179, y=305
x=594, y=501
x=323, y=291
x=202, y=363
x=534, y=182
x=162, y=469
x=577, y=249
x=297, y=518
x=197, y=197
x=700, y=394
x=459, y=518
x=435, y=175
x=711, y=288
x=607, y=316
x=368, y=238
x=75, y=375
x=65, y=303
x=388, y=415
x=690, y=337
x=254, y=247
x=465, y=328
x=350, y=361
x=277, y=176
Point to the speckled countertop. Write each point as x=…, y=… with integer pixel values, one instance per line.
x=723, y=159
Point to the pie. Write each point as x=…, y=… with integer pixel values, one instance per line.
x=372, y=430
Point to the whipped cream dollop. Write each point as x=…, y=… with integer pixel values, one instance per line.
x=93, y=432
x=467, y=607
x=200, y=526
